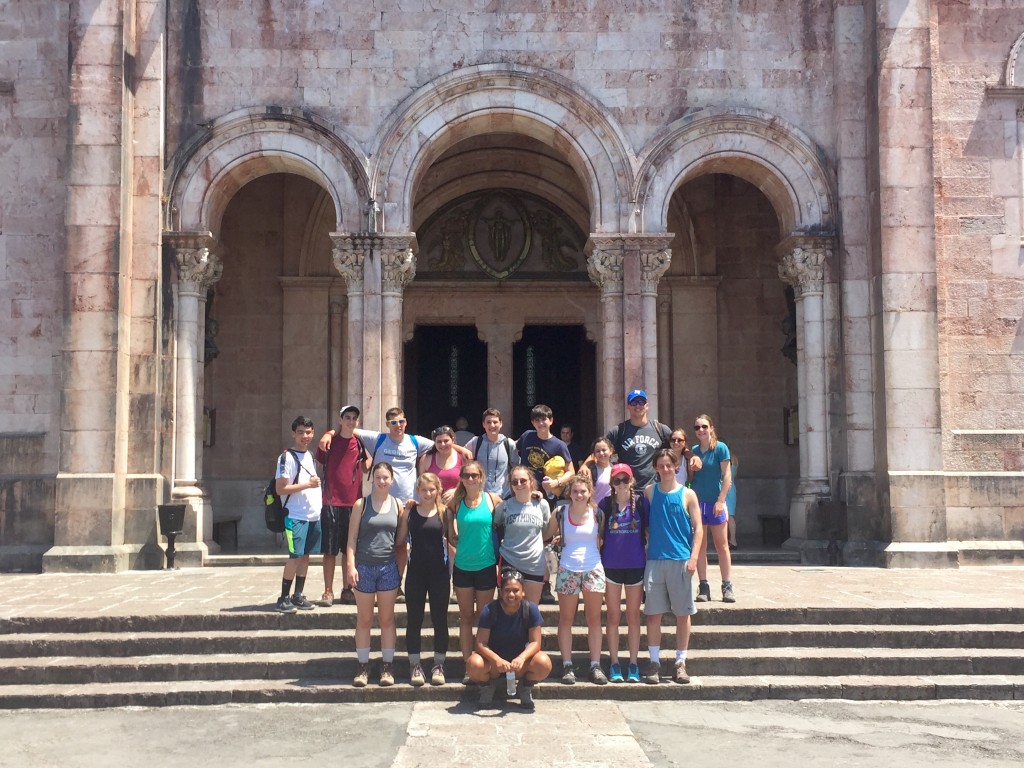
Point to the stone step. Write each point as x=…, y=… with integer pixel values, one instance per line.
x=342, y=665
x=264, y=617
x=312, y=690
x=285, y=639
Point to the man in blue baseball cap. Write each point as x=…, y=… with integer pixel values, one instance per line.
x=636, y=439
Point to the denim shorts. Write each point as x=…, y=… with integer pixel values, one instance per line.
x=377, y=577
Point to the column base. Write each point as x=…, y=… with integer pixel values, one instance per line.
x=196, y=543
x=22, y=558
x=88, y=559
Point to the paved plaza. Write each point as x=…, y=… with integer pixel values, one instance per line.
x=565, y=734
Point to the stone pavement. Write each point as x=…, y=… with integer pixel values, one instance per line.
x=214, y=590
x=566, y=734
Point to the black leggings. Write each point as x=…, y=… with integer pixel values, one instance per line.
x=419, y=583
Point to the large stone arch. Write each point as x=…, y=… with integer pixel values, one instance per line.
x=244, y=145
x=502, y=98
x=776, y=157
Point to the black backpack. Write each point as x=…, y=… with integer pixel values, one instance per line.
x=275, y=511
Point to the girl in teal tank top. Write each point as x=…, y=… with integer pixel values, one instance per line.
x=470, y=527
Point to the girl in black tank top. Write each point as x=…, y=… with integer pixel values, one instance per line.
x=427, y=577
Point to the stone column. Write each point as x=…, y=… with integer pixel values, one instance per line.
x=604, y=265
x=336, y=352
x=906, y=288
x=666, y=409
x=398, y=267
x=655, y=258
x=198, y=268
x=802, y=266
x=349, y=257
x=89, y=513
x=499, y=339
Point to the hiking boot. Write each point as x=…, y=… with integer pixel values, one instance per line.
x=284, y=605
x=728, y=596
x=568, y=676
x=615, y=673
x=326, y=599
x=704, y=592
x=526, y=697
x=597, y=676
x=416, y=678
x=387, y=676
x=487, y=693
x=633, y=675
x=679, y=675
x=348, y=597
x=653, y=674
x=437, y=675
x=362, y=676
x=300, y=602
x=546, y=598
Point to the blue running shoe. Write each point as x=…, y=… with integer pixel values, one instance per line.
x=633, y=675
x=615, y=673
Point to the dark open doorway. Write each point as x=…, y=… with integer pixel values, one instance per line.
x=555, y=365
x=445, y=376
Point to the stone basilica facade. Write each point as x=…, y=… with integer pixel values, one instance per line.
x=801, y=218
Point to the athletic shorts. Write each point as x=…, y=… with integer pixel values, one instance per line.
x=626, y=577
x=302, y=536
x=708, y=516
x=377, y=577
x=482, y=581
x=573, y=582
x=334, y=527
x=668, y=588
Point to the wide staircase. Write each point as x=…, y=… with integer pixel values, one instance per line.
x=736, y=653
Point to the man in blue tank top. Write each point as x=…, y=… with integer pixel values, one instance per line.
x=674, y=538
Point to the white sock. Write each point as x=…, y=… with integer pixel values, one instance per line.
x=387, y=655
x=680, y=656
x=655, y=653
x=363, y=655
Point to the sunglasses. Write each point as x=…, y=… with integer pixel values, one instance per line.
x=396, y=422
x=620, y=481
x=699, y=427
x=677, y=440
x=471, y=476
x=516, y=482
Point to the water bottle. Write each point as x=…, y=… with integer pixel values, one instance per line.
x=510, y=683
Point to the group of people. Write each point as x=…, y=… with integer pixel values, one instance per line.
x=509, y=515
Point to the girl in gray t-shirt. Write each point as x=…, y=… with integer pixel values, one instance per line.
x=524, y=520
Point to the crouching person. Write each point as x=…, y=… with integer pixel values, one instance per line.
x=508, y=644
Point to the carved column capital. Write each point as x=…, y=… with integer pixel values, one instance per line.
x=802, y=264
x=197, y=257
x=653, y=264
x=605, y=262
x=397, y=262
x=349, y=254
